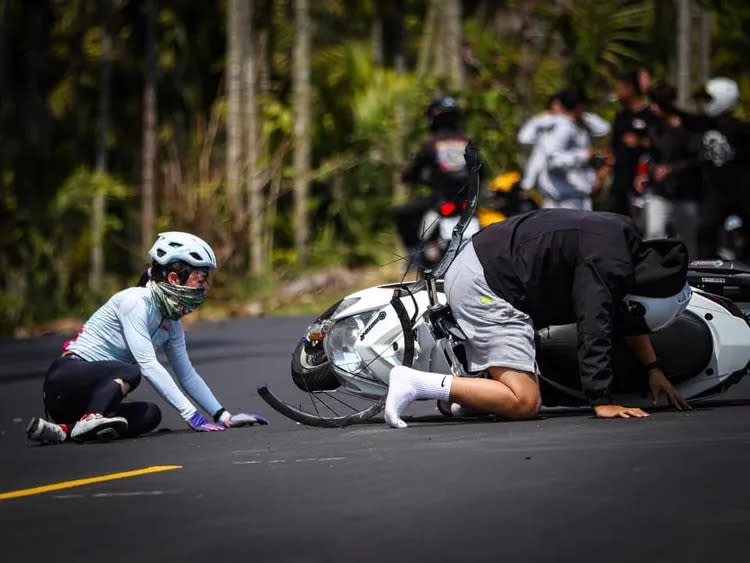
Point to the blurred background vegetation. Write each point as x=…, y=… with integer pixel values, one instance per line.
x=276, y=129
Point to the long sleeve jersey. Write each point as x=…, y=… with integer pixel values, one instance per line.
x=130, y=328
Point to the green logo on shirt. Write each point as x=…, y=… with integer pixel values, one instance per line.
x=484, y=300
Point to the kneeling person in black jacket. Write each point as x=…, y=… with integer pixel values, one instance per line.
x=553, y=267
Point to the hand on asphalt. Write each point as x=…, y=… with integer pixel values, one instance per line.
x=243, y=419
x=659, y=383
x=199, y=423
x=617, y=411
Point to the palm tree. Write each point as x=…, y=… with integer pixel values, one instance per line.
x=603, y=37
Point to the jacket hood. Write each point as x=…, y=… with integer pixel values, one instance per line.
x=660, y=268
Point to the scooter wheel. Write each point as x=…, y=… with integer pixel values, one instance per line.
x=311, y=369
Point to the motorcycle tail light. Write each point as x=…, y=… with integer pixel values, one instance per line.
x=448, y=209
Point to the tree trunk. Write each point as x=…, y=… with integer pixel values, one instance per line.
x=399, y=188
x=376, y=35
x=302, y=141
x=683, y=53
x=527, y=60
x=99, y=204
x=255, y=203
x=451, y=37
x=705, y=54
x=148, y=155
x=273, y=197
x=426, y=44
x=264, y=87
x=4, y=89
x=236, y=10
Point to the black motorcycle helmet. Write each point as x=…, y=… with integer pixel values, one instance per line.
x=443, y=113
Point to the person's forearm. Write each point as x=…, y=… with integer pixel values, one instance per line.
x=642, y=348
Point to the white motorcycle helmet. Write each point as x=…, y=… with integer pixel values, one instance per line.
x=721, y=95
x=649, y=314
x=176, y=246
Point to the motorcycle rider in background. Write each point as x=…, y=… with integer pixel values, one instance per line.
x=439, y=164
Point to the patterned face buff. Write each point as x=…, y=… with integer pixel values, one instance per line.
x=175, y=301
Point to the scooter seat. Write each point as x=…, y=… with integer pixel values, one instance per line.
x=719, y=266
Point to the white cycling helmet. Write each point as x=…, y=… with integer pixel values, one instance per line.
x=175, y=245
x=722, y=96
x=655, y=313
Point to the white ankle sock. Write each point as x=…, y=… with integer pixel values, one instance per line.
x=407, y=385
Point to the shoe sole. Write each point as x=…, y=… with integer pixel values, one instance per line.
x=104, y=432
x=31, y=427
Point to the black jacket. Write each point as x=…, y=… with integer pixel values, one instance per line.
x=565, y=266
x=440, y=164
x=626, y=158
x=675, y=146
x=725, y=153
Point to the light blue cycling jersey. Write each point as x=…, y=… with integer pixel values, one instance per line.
x=130, y=328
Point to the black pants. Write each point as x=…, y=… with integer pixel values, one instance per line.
x=408, y=218
x=715, y=208
x=619, y=200
x=74, y=387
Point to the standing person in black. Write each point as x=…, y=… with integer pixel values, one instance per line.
x=673, y=181
x=552, y=267
x=629, y=140
x=725, y=164
x=439, y=164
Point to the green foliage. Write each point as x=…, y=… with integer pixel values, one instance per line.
x=603, y=37
x=493, y=120
x=53, y=252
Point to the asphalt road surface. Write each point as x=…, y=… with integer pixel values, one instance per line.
x=566, y=487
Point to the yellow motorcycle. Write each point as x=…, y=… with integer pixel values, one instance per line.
x=506, y=197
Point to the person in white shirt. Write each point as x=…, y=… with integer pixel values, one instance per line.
x=568, y=177
x=534, y=131
x=84, y=388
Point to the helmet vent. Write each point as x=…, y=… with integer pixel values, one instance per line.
x=196, y=256
x=160, y=252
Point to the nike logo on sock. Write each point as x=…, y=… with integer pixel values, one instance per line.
x=442, y=383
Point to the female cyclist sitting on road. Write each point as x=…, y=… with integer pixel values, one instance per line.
x=84, y=388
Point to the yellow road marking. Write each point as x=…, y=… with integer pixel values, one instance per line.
x=86, y=481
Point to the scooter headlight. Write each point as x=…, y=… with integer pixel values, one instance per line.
x=341, y=345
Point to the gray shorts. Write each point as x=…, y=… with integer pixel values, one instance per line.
x=497, y=333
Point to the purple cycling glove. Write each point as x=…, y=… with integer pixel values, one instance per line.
x=238, y=419
x=199, y=423
x=243, y=419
